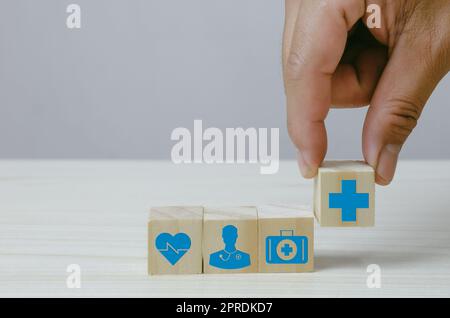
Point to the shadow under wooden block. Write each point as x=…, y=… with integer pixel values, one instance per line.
x=344, y=194
x=230, y=240
x=285, y=239
x=175, y=240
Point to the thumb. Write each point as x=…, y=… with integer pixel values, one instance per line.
x=412, y=73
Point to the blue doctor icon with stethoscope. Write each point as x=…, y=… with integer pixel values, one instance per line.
x=229, y=257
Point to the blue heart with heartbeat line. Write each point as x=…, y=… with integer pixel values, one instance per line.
x=173, y=247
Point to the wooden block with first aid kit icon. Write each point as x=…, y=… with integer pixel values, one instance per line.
x=344, y=194
x=230, y=240
x=285, y=239
x=175, y=240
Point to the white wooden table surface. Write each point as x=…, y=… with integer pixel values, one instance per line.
x=94, y=213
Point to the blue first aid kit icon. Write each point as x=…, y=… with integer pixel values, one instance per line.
x=286, y=248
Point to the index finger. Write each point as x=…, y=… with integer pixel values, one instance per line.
x=313, y=47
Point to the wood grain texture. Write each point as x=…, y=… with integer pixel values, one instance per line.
x=174, y=220
x=94, y=213
x=277, y=220
x=216, y=221
x=329, y=180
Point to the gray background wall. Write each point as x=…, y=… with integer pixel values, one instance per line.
x=137, y=69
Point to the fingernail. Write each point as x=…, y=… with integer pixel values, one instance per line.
x=387, y=163
x=372, y=155
x=306, y=169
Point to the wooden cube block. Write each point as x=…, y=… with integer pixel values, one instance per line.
x=344, y=194
x=230, y=240
x=285, y=239
x=175, y=240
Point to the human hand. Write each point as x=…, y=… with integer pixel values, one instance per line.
x=331, y=57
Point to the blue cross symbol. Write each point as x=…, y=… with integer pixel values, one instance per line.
x=348, y=201
x=286, y=249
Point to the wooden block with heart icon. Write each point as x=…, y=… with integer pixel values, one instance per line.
x=175, y=240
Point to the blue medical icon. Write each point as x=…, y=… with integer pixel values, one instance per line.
x=286, y=249
x=173, y=247
x=229, y=257
x=348, y=201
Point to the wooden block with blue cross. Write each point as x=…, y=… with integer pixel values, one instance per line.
x=344, y=194
x=175, y=240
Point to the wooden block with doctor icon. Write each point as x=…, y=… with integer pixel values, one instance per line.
x=230, y=243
